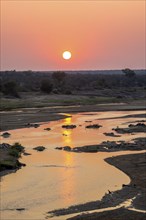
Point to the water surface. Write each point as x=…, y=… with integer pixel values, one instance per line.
x=56, y=179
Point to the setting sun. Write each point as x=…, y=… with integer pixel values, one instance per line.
x=66, y=55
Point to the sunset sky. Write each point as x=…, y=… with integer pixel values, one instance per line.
x=99, y=34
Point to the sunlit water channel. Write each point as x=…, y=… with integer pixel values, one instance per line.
x=55, y=179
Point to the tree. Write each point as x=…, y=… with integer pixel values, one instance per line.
x=46, y=86
x=128, y=72
x=10, y=88
x=58, y=78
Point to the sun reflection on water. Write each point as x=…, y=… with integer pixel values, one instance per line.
x=67, y=133
x=69, y=186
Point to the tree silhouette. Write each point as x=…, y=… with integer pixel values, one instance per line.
x=128, y=72
x=46, y=86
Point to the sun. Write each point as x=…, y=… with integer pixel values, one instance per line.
x=66, y=55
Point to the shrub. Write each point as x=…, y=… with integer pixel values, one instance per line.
x=18, y=147
x=46, y=86
x=58, y=76
x=10, y=88
x=129, y=72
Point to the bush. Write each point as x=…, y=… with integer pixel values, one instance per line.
x=18, y=147
x=14, y=153
x=67, y=92
x=58, y=76
x=46, y=86
x=10, y=88
x=129, y=72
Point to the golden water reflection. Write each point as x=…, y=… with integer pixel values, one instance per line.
x=67, y=133
x=69, y=185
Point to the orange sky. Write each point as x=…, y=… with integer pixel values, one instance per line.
x=100, y=34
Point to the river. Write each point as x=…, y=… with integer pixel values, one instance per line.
x=55, y=179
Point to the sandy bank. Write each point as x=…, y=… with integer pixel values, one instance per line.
x=17, y=118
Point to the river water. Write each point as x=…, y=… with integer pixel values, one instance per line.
x=55, y=179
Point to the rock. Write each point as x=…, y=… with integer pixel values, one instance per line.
x=93, y=126
x=139, y=127
x=28, y=125
x=26, y=154
x=20, y=209
x=6, y=134
x=69, y=126
x=36, y=125
x=39, y=148
x=47, y=129
x=67, y=148
x=59, y=148
x=111, y=134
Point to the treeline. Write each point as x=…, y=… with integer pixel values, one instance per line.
x=60, y=82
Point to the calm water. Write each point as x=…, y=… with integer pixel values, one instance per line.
x=56, y=179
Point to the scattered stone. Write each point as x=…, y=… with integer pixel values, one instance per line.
x=36, y=125
x=67, y=148
x=20, y=209
x=59, y=148
x=47, y=129
x=29, y=125
x=39, y=148
x=6, y=134
x=26, y=154
x=111, y=134
x=110, y=146
x=69, y=126
x=139, y=127
x=93, y=126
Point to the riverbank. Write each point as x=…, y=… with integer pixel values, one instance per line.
x=134, y=165
x=18, y=118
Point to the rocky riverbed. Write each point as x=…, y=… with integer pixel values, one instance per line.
x=109, y=146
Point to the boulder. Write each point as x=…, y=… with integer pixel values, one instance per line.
x=6, y=134
x=47, y=129
x=67, y=148
x=94, y=126
x=69, y=126
x=39, y=148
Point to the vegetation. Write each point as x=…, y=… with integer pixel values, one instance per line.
x=10, y=155
x=46, y=86
x=128, y=72
x=39, y=89
x=9, y=88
